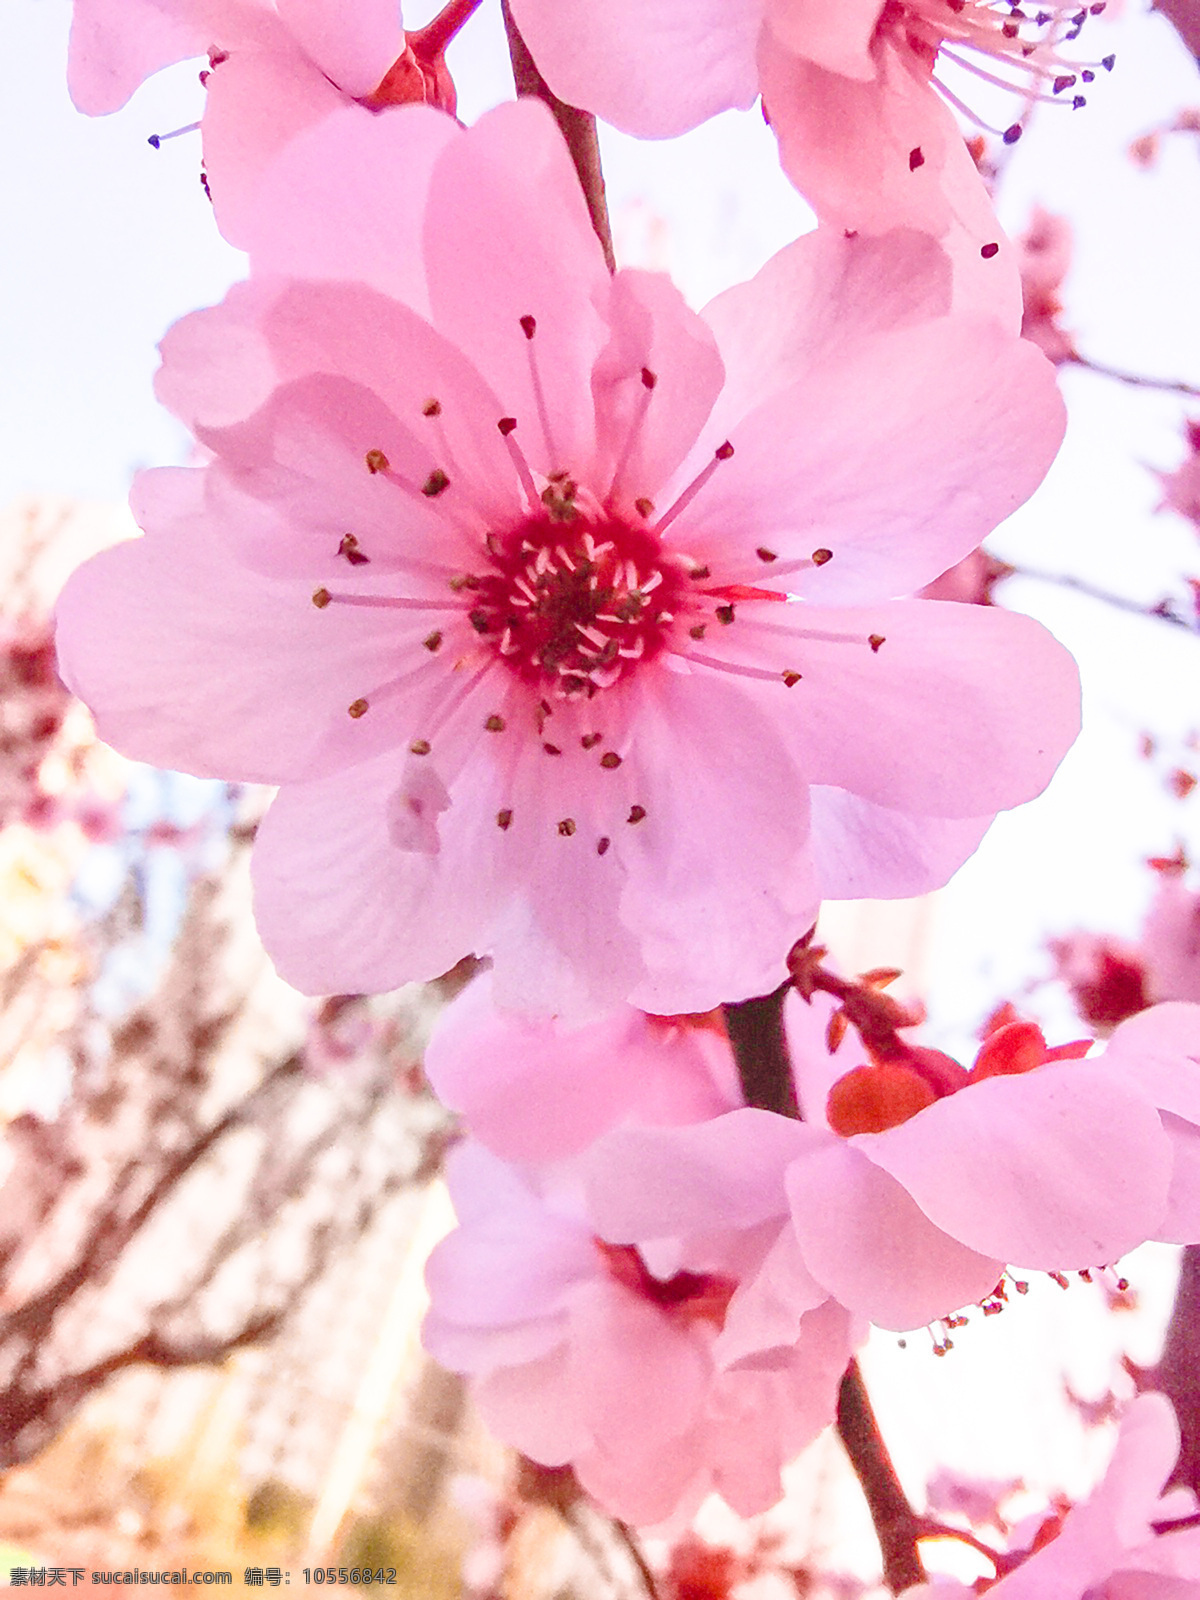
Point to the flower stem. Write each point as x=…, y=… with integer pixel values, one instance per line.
x=897, y=1525
x=433, y=38
x=578, y=129
x=756, y=1032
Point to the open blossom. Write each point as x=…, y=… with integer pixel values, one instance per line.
x=1108, y=1547
x=914, y=1181
x=273, y=68
x=855, y=89
x=561, y=614
x=578, y=1352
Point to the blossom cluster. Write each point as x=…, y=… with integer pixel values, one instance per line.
x=581, y=632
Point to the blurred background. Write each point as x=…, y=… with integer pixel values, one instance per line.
x=217, y=1196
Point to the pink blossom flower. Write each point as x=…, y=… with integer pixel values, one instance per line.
x=1107, y=1547
x=33, y=703
x=535, y=1092
x=912, y=1182
x=561, y=614
x=274, y=68
x=855, y=90
x=579, y=1352
x=1106, y=977
x=1044, y=252
x=1181, y=488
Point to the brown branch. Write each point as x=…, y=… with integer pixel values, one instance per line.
x=1164, y=611
x=897, y=1525
x=1178, y=1372
x=578, y=129
x=755, y=1029
x=1135, y=380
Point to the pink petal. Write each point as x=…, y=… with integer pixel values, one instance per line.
x=353, y=52
x=116, y=44
x=958, y=711
x=512, y=180
x=346, y=199
x=767, y=1312
x=1060, y=1167
x=1181, y=1225
x=645, y=1184
x=258, y=101
x=1159, y=1050
x=815, y=302
x=534, y=1408
x=492, y=1066
x=637, y=1372
x=653, y=68
x=868, y=1242
x=861, y=850
x=155, y=632
x=899, y=457
x=834, y=36
x=648, y=431
x=719, y=888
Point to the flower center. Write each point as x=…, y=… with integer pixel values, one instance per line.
x=572, y=602
x=693, y=1296
x=1022, y=46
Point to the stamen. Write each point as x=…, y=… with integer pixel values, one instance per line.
x=722, y=453
x=156, y=140
x=507, y=427
x=649, y=382
x=529, y=329
x=387, y=602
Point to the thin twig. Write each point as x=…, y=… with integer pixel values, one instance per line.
x=578, y=129
x=433, y=38
x=896, y=1523
x=629, y=1540
x=1164, y=611
x=1136, y=380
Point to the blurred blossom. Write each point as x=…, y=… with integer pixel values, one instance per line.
x=1044, y=257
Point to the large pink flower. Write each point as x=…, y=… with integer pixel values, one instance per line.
x=274, y=68
x=910, y=1186
x=854, y=89
x=563, y=614
x=579, y=1353
x=1108, y=1547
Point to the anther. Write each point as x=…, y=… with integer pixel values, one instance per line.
x=321, y=598
x=376, y=461
x=432, y=408
x=358, y=708
x=420, y=747
x=1013, y=132
x=723, y=451
x=698, y=630
x=610, y=760
x=875, y=640
x=725, y=614
x=506, y=425
x=916, y=158
x=590, y=739
x=764, y=554
x=602, y=846
x=649, y=379
x=567, y=826
x=494, y=724
x=528, y=326
x=435, y=483
x=791, y=679
x=1061, y=1279
x=643, y=507
x=349, y=548
x=433, y=641
x=698, y=574
x=636, y=814
x=987, y=251
x=552, y=749
x=820, y=557
x=504, y=820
